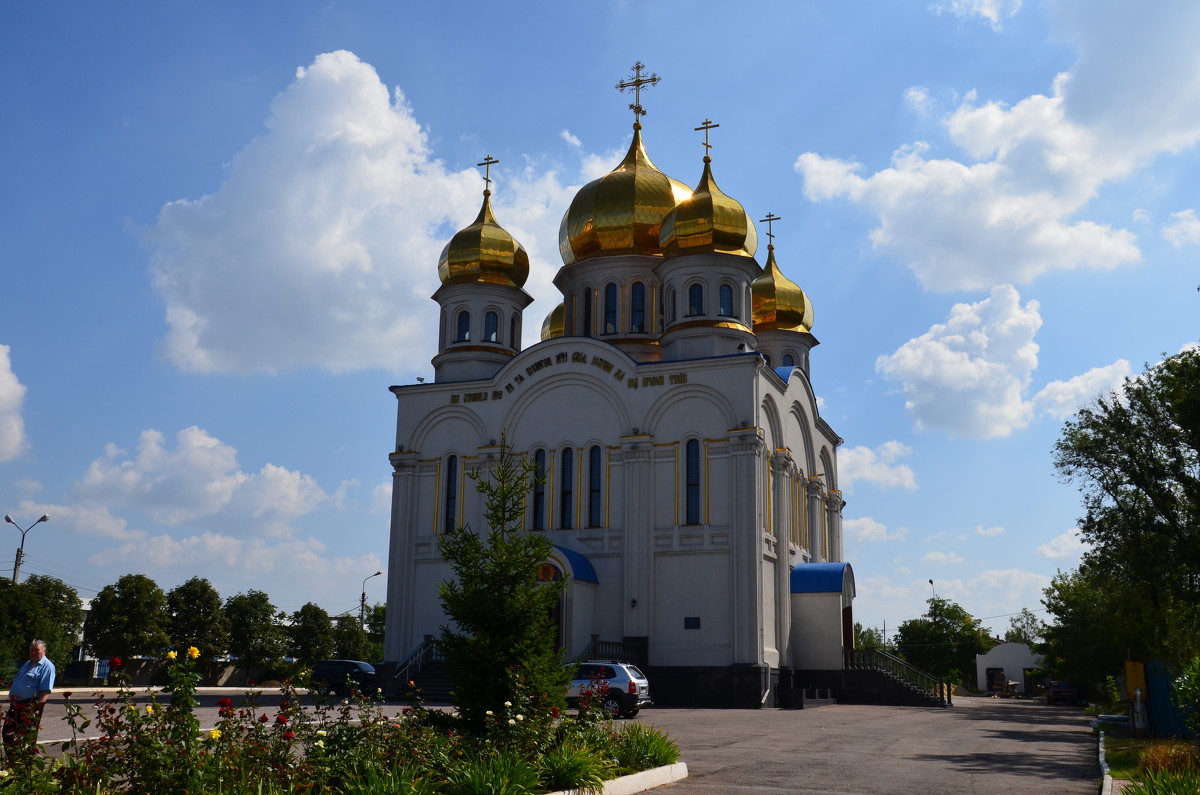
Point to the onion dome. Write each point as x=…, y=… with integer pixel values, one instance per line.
x=555, y=323
x=621, y=212
x=484, y=252
x=708, y=221
x=779, y=303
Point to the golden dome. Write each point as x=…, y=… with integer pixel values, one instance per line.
x=621, y=212
x=708, y=221
x=484, y=252
x=554, y=323
x=779, y=304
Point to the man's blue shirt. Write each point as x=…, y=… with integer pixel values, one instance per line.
x=32, y=679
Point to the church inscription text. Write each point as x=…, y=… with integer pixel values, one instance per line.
x=575, y=357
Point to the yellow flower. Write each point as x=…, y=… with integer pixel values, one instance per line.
x=215, y=734
x=193, y=652
x=171, y=655
x=149, y=709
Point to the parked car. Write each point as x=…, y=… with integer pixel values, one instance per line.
x=1065, y=693
x=622, y=687
x=330, y=676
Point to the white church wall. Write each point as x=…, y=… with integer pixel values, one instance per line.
x=816, y=631
x=693, y=585
x=770, y=639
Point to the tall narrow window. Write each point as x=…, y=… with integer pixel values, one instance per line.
x=585, y=301
x=610, y=308
x=637, y=308
x=463, y=334
x=539, y=490
x=595, y=474
x=695, y=300
x=442, y=331
x=789, y=360
x=564, y=494
x=491, y=327
x=692, y=482
x=671, y=307
x=726, y=294
x=451, y=494
x=514, y=337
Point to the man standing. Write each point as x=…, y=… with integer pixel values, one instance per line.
x=26, y=700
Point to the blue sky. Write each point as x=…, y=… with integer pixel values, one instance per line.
x=221, y=222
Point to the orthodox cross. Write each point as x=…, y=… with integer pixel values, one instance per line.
x=488, y=162
x=636, y=81
x=708, y=125
x=769, y=220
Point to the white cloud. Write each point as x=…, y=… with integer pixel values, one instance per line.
x=942, y=557
x=1061, y=399
x=1008, y=586
x=1182, y=229
x=1069, y=545
x=918, y=100
x=993, y=11
x=198, y=480
x=381, y=498
x=989, y=531
x=571, y=139
x=876, y=466
x=865, y=529
x=12, y=424
x=967, y=376
x=1009, y=210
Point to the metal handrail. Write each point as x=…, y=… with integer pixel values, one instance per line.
x=611, y=650
x=428, y=650
x=876, y=660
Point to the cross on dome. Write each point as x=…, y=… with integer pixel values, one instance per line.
x=488, y=162
x=637, y=82
x=707, y=126
x=769, y=220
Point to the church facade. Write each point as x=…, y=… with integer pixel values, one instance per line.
x=689, y=484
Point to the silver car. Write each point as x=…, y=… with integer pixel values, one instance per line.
x=624, y=689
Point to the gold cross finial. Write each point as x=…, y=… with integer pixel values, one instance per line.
x=769, y=220
x=708, y=125
x=637, y=81
x=488, y=162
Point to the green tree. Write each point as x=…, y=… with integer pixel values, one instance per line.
x=867, y=637
x=63, y=610
x=255, y=637
x=1025, y=628
x=197, y=618
x=22, y=618
x=310, y=634
x=501, y=646
x=128, y=618
x=350, y=641
x=944, y=641
x=376, y=624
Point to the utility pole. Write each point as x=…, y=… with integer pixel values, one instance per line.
x=21, y=549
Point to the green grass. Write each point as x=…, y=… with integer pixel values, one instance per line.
x=1122, y=754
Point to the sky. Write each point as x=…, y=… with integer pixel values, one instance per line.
x=220, y=223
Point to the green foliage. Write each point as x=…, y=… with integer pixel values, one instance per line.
x=944, y=641
x=310, y=635
x=63, y=610
x=868, y=637
x=501, y=646
x=573, y=766
x=128, y=618
x=255, y=636
x=1025, y=627
x=496, y=773
x=642, y=747
x=23, y=617
x=350, y=642
x=376, y=625
x=1187, y=694
x=197, y=618
x=1165, y=783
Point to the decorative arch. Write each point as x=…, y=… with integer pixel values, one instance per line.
x=432, y=422
x=801, y=419
x=658, y=411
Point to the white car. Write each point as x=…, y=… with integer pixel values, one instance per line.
x=624, y=689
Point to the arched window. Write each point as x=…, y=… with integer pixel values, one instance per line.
x=726, y=294
x=585, y=305
x=671, y=306
x=451, y=502
x=637, y=308
x=789, y=360
x=595, y=504
x=514, y=336
x=767, y=359
x=610, y=308
x=692, y=482
x=564, y=490
x=442, y=330
x=539, y=490
x=491, y=327
x=463, y=334
x=695, y=300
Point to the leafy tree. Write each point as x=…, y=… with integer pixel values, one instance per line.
x=944, y=641
x=255, y=637
x=311, y=633
x=350, y=641
x=376, y=624
x=128, y=618
x=868, y=637
x=23, y=618
x=63, y=610
x=197, y=618
x=502, y=644
x=1025, y=628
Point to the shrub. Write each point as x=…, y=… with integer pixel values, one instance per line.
x=1165, y=783
x=1169, y=756
x=642, y=747
x=574, y=766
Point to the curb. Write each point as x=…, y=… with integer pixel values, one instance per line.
x=1106, y=787
x=639, y=782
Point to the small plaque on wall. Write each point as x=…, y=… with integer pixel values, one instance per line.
x=691, y=622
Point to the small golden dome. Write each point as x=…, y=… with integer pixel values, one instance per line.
x=621, y=212
x=708, y=220
x=554, y=323
x=779, y=303
x=484, y=252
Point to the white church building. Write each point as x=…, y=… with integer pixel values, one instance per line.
x=690, y=484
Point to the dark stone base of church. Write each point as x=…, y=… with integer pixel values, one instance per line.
x=744, y=687
x=734, y=686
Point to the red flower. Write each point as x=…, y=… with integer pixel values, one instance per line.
x=263, y=718
x=554, y=712
x=114, y=662
x=283, y=704
x=288, y=735
x=281, y=719
x=250, y=682
x=225, y=703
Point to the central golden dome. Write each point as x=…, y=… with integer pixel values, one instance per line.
x=779, y=303
x=708, y=220
x=484, y=252
x=621, y=212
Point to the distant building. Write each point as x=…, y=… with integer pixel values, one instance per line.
x=689, y=477
x=1007, y=662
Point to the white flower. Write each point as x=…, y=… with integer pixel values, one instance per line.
x=508, y=703
x=520, y=717
x=321, y=732
x=489, y=712
x=319, y=744
x=511, y=722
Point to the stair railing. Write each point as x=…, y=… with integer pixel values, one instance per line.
x=913, y=677
x=613, y=650
x=428, y=650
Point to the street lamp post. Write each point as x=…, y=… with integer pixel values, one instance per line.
x=362, y=606
x=21, y=549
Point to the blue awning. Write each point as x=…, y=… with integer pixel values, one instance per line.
x=822, y=578
x=581, y=568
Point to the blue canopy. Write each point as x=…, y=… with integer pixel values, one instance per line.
x=821, y=577
x=581, y=568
